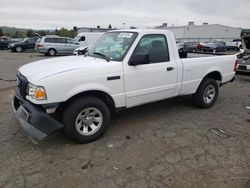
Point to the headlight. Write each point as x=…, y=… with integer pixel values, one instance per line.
x=36, y=92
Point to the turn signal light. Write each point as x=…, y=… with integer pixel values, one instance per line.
x=40, y=93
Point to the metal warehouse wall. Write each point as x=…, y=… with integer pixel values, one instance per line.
x=206, y=31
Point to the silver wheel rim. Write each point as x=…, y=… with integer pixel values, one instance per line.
x=89, y=121
x=18, y=49
x=52, y=52
x=209, y=94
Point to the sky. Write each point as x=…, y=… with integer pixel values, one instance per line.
x=52, y=14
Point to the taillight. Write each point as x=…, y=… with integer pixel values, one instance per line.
x=39, y=45
x=236, y=65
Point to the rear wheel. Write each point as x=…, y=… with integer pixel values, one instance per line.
x=86, y=119
x=206, y=94
x=51, y=52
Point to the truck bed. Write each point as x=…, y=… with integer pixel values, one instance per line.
x=198, y=65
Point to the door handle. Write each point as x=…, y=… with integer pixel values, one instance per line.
x=170, y=68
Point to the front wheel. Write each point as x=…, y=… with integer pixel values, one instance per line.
x=19, y=49
x=206, y=94
x=86, y=119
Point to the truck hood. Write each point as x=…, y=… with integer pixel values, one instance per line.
x=39, y=70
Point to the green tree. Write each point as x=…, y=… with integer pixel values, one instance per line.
x=42, y=33
x=30, y=33
x=56, y=31
x=1, y=32
x=16, y=34
x=22, y=34
x=75, y=28
x=110, y=27
x=66, y=33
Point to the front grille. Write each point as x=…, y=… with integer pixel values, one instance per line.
x=22, y=84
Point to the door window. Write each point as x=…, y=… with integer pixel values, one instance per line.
x=155, y=46
x=82, y=39
x=61, y=40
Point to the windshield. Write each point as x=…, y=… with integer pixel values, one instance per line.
x=77, y=37
x=113, y=45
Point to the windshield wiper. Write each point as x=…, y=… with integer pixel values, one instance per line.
x=102, y=55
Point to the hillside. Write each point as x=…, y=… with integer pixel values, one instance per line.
x=12, y=30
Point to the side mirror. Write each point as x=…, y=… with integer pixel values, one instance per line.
x=139, y=59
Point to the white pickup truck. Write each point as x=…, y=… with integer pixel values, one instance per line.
x=123, y=69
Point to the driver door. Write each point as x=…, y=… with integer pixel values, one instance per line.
x=153, y=81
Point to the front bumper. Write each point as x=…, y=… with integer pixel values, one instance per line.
x=35, y=122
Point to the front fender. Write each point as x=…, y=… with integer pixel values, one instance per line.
x=86, y=87
x=119, y=99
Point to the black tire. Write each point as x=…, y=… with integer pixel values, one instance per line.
x=75, y=108
x=199, y=97
x=51, y=52
x=18, y=49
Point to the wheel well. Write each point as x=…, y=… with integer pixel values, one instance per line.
x=94, y=93
x=214, y=75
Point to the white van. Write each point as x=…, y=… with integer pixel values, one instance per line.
x=87, y=38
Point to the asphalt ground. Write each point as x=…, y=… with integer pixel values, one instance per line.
x=162, y=144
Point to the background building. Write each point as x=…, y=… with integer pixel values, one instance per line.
x=203, y=32
x=89, y=29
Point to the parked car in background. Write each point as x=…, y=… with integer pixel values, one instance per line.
x=27, y=43
x=245, y=37
x=234, y=45
x=54, y=45
x=4, y=42
x=81, y=50
x=219, y=41
x=182, y=49
x=200, y=46
x=214, y=47
x=243, y=64
x=87, y=38
x=244, y=60
x=191, y=46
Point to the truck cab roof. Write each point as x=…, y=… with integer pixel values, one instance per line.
x=144, y=31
